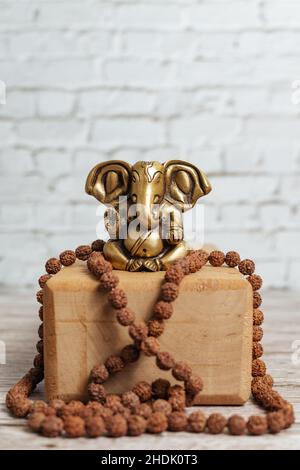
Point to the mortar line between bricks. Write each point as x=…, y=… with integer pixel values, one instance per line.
x=140, y=87
x=145, y=29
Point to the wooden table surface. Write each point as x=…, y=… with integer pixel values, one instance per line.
x=18, y=326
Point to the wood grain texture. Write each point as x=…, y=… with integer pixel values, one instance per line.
x=211, y=328
x=18, y=326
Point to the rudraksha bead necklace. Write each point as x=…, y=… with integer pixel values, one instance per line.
x=155, y=407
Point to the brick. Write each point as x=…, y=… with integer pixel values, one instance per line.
x=237, y=215
x=139, y=72
x=144, y=15
x=25, y=246
x=290, y=189
x=143, y=43
x=33, y=189
x=130, y=154
x=212, y=101
x=282, y=43
x=202, y=128
x=86, y=216
x=160, y=153
x=2, y=93
x=232, y=72
x=179, y=44
x=208, y=158
x=294, y=274
x=225, y=72
x=16, y=216
x=249, y=102
x=229, y=15
x=274, y=273
x=15, y=161
x=253, y=44
x=281, y=103
x=215, y=44
x=170, y=103
x=15, y=13
x=70, y=188
x=19, y=104
x=112, y=133
x=78, y=14
x=255, y=244
x=85, y=159
x=268, y=128
x=281, y=157
x=237, y=189
x=41, y=44
x=211, y=218
x=268, y=43
x=7, y=134
x=116, y=102
x=270, y=71
x=54, y=103
x=55, y=44
x=27, y=276
x=288, y=243
x=67, y=131
x=53, y=163
x=64, y=72
x=261, y=156
x=275, y=216
x=243, y=156
x=282, y=14
x=69, y=241
x=95, y=42
x=56, y=219
x=261, y=102
x=4, y=51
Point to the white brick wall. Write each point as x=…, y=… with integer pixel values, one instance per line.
x=209, y=81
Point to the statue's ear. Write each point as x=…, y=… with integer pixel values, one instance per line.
x=108, y=181
x=185, y=184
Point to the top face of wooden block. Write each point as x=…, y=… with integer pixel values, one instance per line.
x=77, y=277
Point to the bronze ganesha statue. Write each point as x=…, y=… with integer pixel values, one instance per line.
x=145, y=203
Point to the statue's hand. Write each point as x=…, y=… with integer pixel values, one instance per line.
x=134, y=264
x=175, y=235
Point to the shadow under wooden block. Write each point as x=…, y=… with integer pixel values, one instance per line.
x=211, y=328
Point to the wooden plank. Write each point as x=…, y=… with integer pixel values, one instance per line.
x=18, y=329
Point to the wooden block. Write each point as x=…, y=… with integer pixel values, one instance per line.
x=211, y=328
